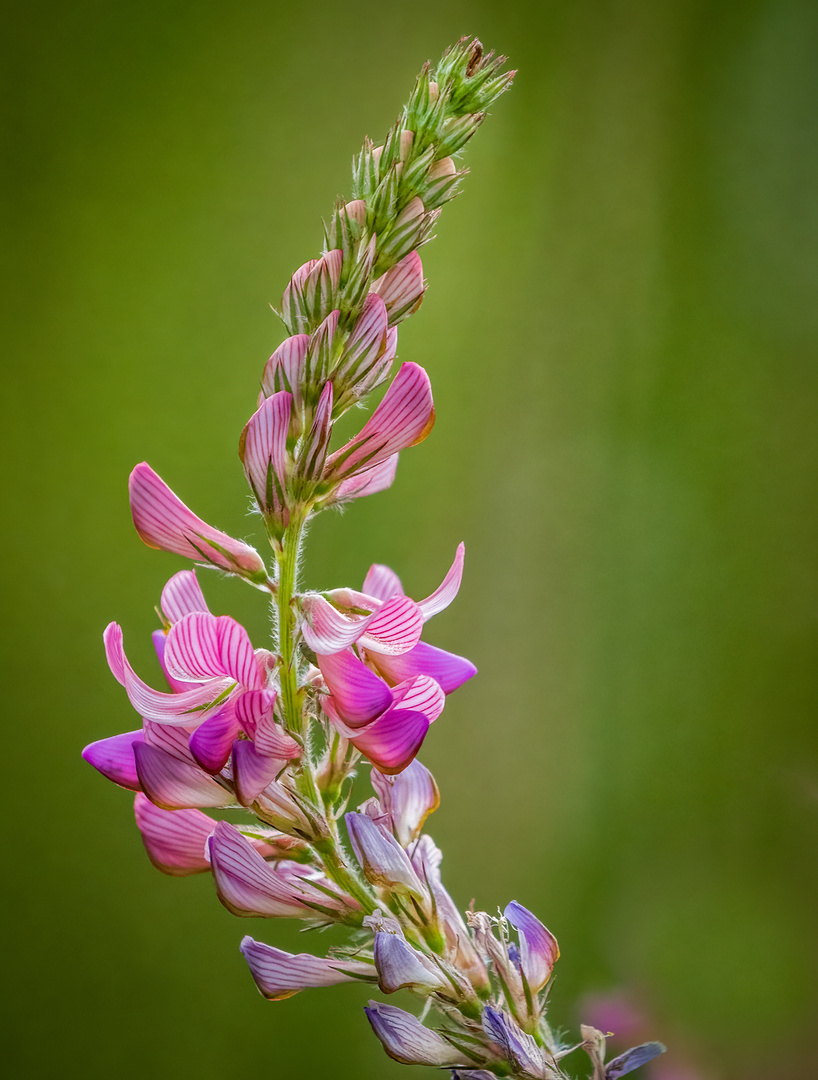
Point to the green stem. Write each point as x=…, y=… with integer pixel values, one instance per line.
x=287, y=558
x=330, y=853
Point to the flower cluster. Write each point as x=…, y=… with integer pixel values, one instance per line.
x=282, y=732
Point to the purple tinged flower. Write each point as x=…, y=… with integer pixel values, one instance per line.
x=382, y=859
x=182, y=595
x=263, y=453
x=249, y=886
x=405, y=1039
x=400, y=966
x=382, y=585
x=539, y=950
x=402, y=288
x=253, y=772
x=280, y=974
x=514, y=1044
x=173, y=839
x=163, y=521
x=407, y=799
x=387, y=725
x=404, y=418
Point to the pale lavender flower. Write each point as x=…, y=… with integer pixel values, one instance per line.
x=406, y=1040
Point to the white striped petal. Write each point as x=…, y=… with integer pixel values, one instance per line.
x=325, y=629
x=280, y=974
x=382, y=582
x=181, y=595
x=448, y=589
x=263, y=451
x=395, y=628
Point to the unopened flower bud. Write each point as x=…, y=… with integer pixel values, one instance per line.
x=405, y=1039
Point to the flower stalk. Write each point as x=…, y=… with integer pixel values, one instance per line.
x=282, y=732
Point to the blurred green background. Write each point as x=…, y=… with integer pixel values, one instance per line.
x=621, y=331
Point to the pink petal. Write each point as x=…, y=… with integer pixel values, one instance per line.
x=314, y=451
x=326, y=630
x=182, y=595
x=273, y=741
x=448, y=669
x=285, y=369
x=280, y=974
x=395, y=628
x=393, y=740
x=178, y=686
x=421, y=693
x=212, y=741
x=150, y=703
x=172, y=739
x=366, y=343
x=163, y=521
x=402, y=287
x=404, y=417
x=358, y=693
x=246, y=884
x=252, y=771
x=251, y=706
x=263, y=451
x=382, y=582
x=366, y=482
x=192, y=648
x=237, y=656
x=448, y=589
x=173, y=839
x=173, y=784
x=114, y=758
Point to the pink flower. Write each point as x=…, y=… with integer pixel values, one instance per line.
x=163, y=521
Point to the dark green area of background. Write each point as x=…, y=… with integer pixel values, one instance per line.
x=621, y=331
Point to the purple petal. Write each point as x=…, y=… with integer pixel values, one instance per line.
x=632, y=1059
x=114, y=758
x=246, y=884
x=263, y=451
x=539, y=950
x=163, y=521
x=448, y=669
x=358, y=693
x=405, y=1039
x=448, y=589
x=391, y=742
x=404, y=417
x=519, y=1047
x=252, y=771
x=280, y=974
x=395, y=628
x=399, y=966
x=212, y=740
x=181, y=596
x=176, y=785
x=382, y=859
x=382, y=582
x=178, y=686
